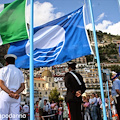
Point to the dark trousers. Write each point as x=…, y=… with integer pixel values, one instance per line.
x=45, y=114
x=118, y=106
x=75, y=110
x=99, y=113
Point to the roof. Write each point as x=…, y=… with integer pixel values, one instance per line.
x=46, y=73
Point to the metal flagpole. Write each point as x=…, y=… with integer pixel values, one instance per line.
x=31, y=62
x=98, y=62
x=107, y=71
x=110, y=113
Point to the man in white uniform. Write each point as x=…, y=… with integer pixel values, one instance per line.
x=26, y=110
x=12, y=84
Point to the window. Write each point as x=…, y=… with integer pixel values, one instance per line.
x=91, y=80
x=42, y=85
x=95, y=80
x=38, y=84
x=52, y=84
x=35, y=84
x=46, y=93
x=87, y=81
x=49, y=79
x=61, y=85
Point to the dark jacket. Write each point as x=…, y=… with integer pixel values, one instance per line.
x=73, y=86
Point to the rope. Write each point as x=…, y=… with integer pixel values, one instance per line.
x=46, y=115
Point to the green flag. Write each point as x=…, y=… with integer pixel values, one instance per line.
x=12, y=23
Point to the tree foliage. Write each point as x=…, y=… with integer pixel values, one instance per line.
x=54, y=95
x=115, y=68
x=108, y=51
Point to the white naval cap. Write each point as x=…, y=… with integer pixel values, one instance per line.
x=10, y=55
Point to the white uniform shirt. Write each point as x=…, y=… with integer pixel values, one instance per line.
x=25, y=109
x=12, y=77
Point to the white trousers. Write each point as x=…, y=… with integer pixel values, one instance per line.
x=9, y=107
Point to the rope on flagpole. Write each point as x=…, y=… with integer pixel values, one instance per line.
x=89, y=30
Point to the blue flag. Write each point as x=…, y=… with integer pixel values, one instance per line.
x=55, y=42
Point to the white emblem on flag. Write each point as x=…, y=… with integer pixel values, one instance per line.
x=48, y=42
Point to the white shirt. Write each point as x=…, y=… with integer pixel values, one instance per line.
x=45, y=108
x=90, y=100
x=106, y=105
x=12, y=77
x=99, y=100
x=25, y=109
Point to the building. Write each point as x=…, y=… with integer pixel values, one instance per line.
x=89, y=73
x=46, y=79
x=42, y=86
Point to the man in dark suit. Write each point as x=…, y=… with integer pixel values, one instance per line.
x=75, y=87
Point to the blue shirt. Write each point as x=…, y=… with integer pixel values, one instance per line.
x=116, y=85
x=94, y=100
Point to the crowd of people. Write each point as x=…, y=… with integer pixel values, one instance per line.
x=44, y=110
x=76, y=106
x=91, y=109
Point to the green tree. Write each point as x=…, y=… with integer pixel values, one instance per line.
x=54, y=95
x=89, y=58
x=61, y=99
x=115, y=68
x=100, y=36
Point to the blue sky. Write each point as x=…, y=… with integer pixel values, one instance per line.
x=109, y=7
x=106, y=12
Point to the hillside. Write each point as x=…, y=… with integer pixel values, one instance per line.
x=104, y=37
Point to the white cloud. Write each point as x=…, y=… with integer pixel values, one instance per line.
x=103, y=25
x=100, y=17
x=43, y=12
x=107, y=26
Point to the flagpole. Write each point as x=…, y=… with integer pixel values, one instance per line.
x=119, y=2
x=31, y=63
x=110, y=113
x=98, y=62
